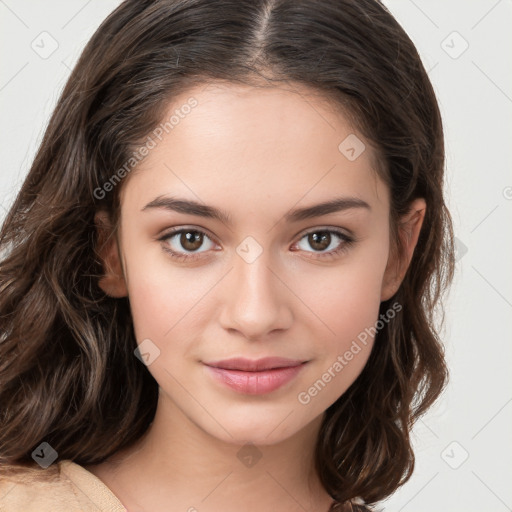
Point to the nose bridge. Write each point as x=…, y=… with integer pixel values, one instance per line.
x=255, y=304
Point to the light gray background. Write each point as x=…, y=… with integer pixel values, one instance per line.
x=464, y=444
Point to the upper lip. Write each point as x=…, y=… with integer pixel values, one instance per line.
x=254, y=365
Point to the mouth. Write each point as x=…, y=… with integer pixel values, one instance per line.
x=254, y=377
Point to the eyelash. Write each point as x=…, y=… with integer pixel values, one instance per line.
x=346, y=243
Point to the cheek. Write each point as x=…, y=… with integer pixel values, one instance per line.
x=160, y=296
x=347, y=306
x=346, y=299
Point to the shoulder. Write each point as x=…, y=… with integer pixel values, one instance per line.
x=62, y=487
x=31, y=488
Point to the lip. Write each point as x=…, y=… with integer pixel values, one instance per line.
x=270, y=374
x=255, y=365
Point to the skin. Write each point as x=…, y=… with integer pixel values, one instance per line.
x=257, y=153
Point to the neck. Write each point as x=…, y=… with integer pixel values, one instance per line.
x=177, y=463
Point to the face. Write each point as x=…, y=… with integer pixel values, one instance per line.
x=265, y=274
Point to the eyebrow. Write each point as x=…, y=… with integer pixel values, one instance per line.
x=202, y=210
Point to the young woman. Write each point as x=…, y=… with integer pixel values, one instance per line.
x=219, y=278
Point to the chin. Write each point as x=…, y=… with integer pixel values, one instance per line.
x=258, y=429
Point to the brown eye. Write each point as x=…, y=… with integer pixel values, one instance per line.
x=319, y=242
x=325, y=242
x=183, y=243
x=191, y=240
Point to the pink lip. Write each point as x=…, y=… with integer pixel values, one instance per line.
x=254, y=365
x=270, y=374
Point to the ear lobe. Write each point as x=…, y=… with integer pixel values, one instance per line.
x=409, y=228
x=112, y=282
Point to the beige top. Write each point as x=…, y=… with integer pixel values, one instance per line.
x=62, y=487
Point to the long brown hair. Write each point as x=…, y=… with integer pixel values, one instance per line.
x=68, y=375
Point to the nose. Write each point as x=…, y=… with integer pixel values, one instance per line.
x=257, y=300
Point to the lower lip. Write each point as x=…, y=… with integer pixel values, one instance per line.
x=255, y=383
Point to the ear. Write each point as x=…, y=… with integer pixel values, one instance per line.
x=409, y=227
x=112, y=282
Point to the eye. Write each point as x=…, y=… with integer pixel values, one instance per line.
x=184, y=243
x=322, y=239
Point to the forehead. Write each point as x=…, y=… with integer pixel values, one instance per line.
x=252, y=145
